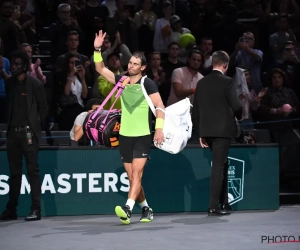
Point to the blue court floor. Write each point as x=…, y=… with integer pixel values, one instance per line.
x=195, y=231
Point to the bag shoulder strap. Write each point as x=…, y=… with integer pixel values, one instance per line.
x=120, y=86
x=148, y=99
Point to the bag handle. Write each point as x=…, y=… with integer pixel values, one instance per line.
x=148, y=99
x=120, y=86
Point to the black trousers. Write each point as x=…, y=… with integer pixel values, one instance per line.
x=17, y=147
x=219, y=170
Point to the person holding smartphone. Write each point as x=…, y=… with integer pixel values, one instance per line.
x=246, y=56
x=290, y=64
x=70, y=91
x=289, y=53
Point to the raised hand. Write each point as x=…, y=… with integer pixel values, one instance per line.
x=118, y=37
x=37, y=63
x=81, y=73
x=99, y=39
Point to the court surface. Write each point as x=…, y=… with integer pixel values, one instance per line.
x=239, y=231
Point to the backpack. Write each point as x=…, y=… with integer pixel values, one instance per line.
x=177, y=125
x=104, y=127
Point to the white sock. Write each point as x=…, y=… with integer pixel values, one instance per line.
x=130, y=203
x=143, y=204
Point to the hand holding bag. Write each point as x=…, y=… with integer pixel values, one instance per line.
x=177, y=125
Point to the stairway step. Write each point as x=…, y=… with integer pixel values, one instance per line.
x=44, y=32
x=45, y=45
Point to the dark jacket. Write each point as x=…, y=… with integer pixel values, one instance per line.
x=36, y=103
x=216, y=105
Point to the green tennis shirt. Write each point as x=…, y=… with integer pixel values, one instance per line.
x=136, y=115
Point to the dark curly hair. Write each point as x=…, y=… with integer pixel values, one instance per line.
x=277, y=71
x=23, y=56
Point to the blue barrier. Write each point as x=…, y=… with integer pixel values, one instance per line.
x=267, y=122
x=241, y=125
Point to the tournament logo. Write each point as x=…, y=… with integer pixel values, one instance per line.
x=169, y=139
x=236, y=173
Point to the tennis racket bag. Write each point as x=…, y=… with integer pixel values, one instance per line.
x=103, y=126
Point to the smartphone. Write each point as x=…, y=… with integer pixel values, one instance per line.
x=17, y=8
x=78, y=63
x=160, y=70
x=287, y=50
x=130, y=8
x=242, y=40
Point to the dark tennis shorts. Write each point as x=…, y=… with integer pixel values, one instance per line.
x=134, y=147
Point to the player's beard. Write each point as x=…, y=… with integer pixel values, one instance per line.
x=133, y=74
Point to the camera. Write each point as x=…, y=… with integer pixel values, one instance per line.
x=28, y=136
x=78, y=63
x=287, y=50
x=242, y=40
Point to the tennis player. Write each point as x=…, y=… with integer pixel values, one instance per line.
x=135, y=132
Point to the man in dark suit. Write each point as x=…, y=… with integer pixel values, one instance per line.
x=216, y=105
x=27, y=111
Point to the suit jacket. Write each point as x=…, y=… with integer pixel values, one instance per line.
x=215, y=106
x=36, y=103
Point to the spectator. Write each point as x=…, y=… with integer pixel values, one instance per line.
x=177, y=32
x=203, y=21
x=94, y=19
x=271, y=104
x=182, y=9
x=72, y=42
x=9, y=30
x=168, y=66
x=59, y=30
x=282, y=130
x=123, y=23
x=94, y=9
x=290, y=64
x=70, y=92
x=76, y=132
x=4, y=74
x=34, y=68
x=206, y=47
x=155, y=71
x=145, y=21
x=197, y=13
x=27, y=23
x=245, y=56
x=249, y=101
x=278, y=39
x=111, y=6
x=162, y=31
x=229, y=28
x=185, y=79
